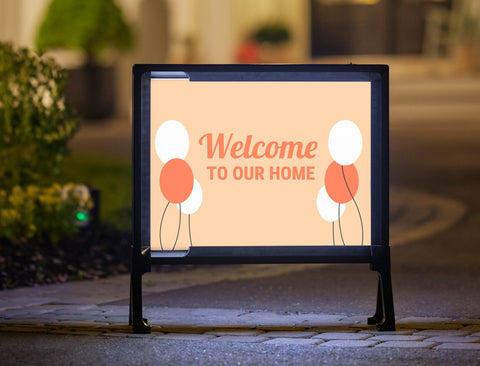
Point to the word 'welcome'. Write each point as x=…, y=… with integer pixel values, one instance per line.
x=257, y=150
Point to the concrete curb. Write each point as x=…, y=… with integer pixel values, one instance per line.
x=238, y=326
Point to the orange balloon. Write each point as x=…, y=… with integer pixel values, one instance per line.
x=176, y=180
x=335, y=184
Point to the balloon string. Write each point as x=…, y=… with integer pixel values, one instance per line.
x=351, y=195
x=189, y=231
x=333, y=232
x=179, y=225
x=339, y=225
x=161, y=225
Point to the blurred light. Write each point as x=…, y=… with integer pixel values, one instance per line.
x=87, y=219
x=82, y=216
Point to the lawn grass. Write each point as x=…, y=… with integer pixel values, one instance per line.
x=113, y=177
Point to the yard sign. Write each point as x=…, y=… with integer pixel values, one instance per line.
x=261, y=164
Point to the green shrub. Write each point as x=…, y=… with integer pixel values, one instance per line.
x=273, y=33
x=35, y=123
x=41, y=215
x=94, y=26
x=35, y=127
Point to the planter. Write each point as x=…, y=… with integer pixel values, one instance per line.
x=90, y=90
x=275, y=53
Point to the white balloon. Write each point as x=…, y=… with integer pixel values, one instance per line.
x=345, y=142
x=194, y=201
x=171, y=141
x=327, y=208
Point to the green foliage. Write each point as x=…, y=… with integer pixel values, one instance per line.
x=90, y=25
x=35, y=123
x=40, y=215
x=35, y=127
x=274, y=33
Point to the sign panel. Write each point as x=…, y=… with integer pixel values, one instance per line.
x=259, y=163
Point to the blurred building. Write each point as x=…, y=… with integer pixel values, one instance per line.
x=228, y=31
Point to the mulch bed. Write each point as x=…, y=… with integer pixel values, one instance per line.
x=87, y=256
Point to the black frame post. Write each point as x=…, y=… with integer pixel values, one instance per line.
x=140, y=263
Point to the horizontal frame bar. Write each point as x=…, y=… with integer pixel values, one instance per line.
x=270, y=254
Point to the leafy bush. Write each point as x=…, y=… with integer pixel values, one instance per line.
x=35, y=122
x=35, y=127
x=274, y=33
x=41, y=215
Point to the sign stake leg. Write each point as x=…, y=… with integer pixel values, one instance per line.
x=136, y=320
x=139, y=267
x=384, y=316
x=385, y=279
x=378, y=316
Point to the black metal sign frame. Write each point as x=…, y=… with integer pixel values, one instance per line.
x=377, y=254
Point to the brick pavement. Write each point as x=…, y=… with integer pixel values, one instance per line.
x=238, y=326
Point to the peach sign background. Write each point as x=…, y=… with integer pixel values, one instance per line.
x=241, y=212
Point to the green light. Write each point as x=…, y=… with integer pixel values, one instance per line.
x=82, y=216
